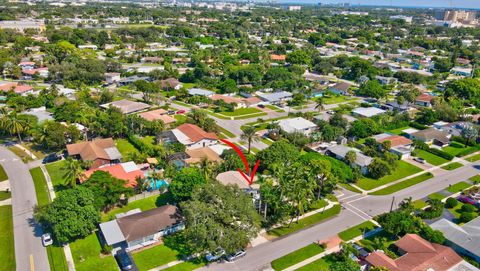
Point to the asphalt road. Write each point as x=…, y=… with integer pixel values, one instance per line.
x=29, y=251
x=358, y=208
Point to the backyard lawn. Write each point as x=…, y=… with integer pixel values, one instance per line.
x=3, y=174
x=7, y=250
x=40, y=184
x=56, y=174
x=334, y=99
x=402, y=185
x=458, y=187
x=143, y=204
x=403, y=170
x=305, y=222
x=296, y=256
x=125, y=147
x=398, y=131
x=453, y=166
x=154, y=257
x=355, y=231
x=87, y=255
x=431, y=158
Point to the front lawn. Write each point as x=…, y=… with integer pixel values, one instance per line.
x=41, y=189
x=20, y=153
x=334, y=99
x=56, y=258
x=296, y=256
x=453, y=166
x=350, y=187
x=306, y=222
x=56, y=174
x=143, y=204
x=419, y=204
x=456, y=211
x=241, y=111
x=87, y=255
x=321, y=264
x=226, y=132
x=154, y=257
x=437, y=195
x=403, y=170
x=355, y=231
x=454, y=150
x=431, y=158
x=187, y=266
x=474, y=158
x=5, y=195
x=7, y=249
x=402, y=185
x=3, y=174
x=458, y=187
x=475, y=179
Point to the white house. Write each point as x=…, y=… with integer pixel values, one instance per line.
x=299, y=124
x=367, y=112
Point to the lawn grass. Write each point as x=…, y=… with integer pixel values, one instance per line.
x=187, y=266
x=7, y=249
x=437, y=195
x=296, y=256
x=125, y=147
x=398, y=131
x=56, y=172
x=403, y=170
x=402, y=185
x=456, y=210
x=350, y=187
x=5, y=195
x=56, y=258
x=475, y=179
x=458, y=187
x=431, y=158
x=306, y=222
x=474, y=158
x=41, y=189
x=181, y=119
x=154, y=257
x=453, y=166
x=182, y=103
x=266, y=141
x=143, y=204
x=419, y=204
x=241, y=111
x=455, y=150
x=226, y=132
x=321, y=264
x=3, y=174
x=355, y=231
x=334, y=99
x=87, y=255
x=251, y=116
x=20, y=153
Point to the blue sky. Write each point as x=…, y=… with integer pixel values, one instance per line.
x=423, y=3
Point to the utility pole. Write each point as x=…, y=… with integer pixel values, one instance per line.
x=393, y=201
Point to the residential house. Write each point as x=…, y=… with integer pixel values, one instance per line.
x=26, y=65
x=200, y=92
x=340, y=152
x=136, y=229
x=229, y=100
x=417, y=254
x=127, y=106
x=456, y=128
x=234, y=177
x=170, y=84
x=394, y=105
x=341, y=88
x=461, y=71
x=278, y=58
x=424, y=99
x=100, y=151
x=158, y=114
x=399, y=145
x=299, y=124
x=432, y=136
x=367, y=112
x=131, y=79
x=386, y=80
x=190, y=135
x=196, y=156
x=463, y=239
x=151, y=59
x=28, y=74
x=275, y=97
x=17, y=88
x=127, y=171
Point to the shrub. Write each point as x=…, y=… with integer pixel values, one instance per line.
x=468, y=208
x=451, y=202
x=465, y=217
x=418, y=126
x=456, y=144
x=440, y=153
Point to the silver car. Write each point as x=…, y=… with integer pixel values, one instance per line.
x=234, y=256
x=47, y=239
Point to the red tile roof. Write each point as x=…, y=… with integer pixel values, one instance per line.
x=424, y=97
x=118, y=172
x=17, y=88
x=396, y=140
x=195, y=133
x=278, y=57
x=158, y=114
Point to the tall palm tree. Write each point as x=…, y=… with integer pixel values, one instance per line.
x=15, y=125
x=249, y=134
x=73, y=171
x=207, y=168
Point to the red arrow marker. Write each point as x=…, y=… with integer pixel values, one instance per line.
x=250, y=178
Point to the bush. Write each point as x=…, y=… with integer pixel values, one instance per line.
x=441, y=153
x=451, y=202
x=465, y=217
x=468, y=208
x=418, y=126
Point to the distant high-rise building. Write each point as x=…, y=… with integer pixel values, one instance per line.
x=460, y=15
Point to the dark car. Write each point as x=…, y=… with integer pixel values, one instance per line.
x=52, y=158
x=467, y=200
x=124, y=261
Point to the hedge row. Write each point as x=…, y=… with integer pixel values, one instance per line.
x=441, y=153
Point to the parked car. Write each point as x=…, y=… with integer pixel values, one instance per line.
x=215, y=255
x=124, y=261
x=362, y=253
x=181, y=111
x=420, y=160
x=467, y=200
x=171, y=112
x=52, y=158
x=261, y=105
x=47, y=239
x=234, y=256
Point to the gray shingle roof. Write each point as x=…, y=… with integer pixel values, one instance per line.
x=466, y=236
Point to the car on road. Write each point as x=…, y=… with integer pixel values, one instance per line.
x=181, y=111
x=261, y=105
x=215, y=255
x=51, y=158
x=419, y=160
x=124, y=261
x=47, y=239
x=234, y=256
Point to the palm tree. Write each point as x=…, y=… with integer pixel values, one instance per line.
x=207, y=168
x=10, y=122
x=73, y=171
x=319, y=104
x=249, y=134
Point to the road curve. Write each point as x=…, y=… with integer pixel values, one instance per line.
x=29, y=251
